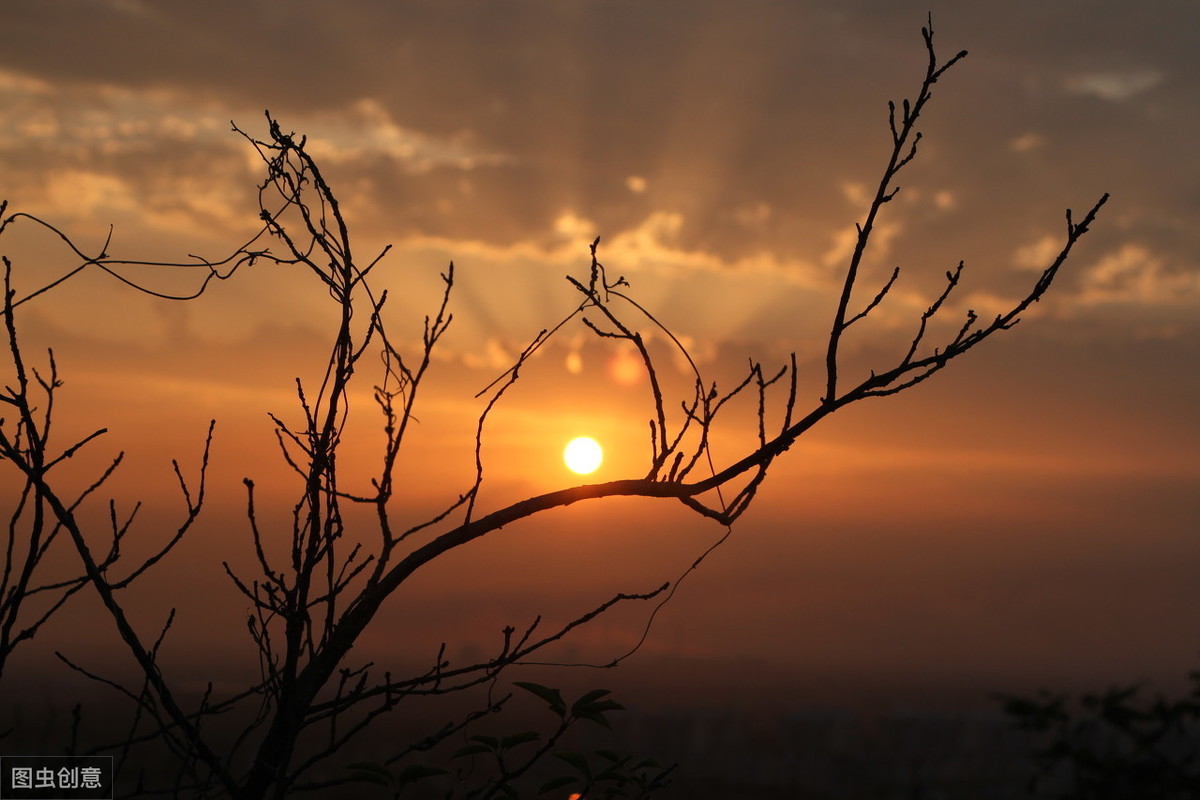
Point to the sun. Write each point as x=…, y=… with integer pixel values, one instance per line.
x=583, y=455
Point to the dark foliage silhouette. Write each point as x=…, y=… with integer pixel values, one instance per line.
x=1114, y=744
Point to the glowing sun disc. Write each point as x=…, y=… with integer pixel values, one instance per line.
x=583, y=455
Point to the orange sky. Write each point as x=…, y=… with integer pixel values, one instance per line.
x=1028, y=515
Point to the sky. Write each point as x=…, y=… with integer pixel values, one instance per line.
x=1027, y=517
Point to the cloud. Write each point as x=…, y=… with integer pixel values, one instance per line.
x=133, y=8
x=366, y=130
x=694, y=143
x=1130, y=274
x=945, y=200
x=1134, y=274
x=1027, y=142
x=70, y=120
x=1039, y=254
x=1114, y=86
x=753, y=217
x=845, y=240
x=495, y=356
x=79, y=193
x=15, y=84
x=856, y=193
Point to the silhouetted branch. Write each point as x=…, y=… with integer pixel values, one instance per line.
x=905, y=138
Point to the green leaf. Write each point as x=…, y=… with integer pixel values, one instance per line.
x=471, y=750
x=599, y=719
x=553, y=697
x=593, y=705
x=578, y=762
x=601, y=707
x=557, y=783
x=595, y=713
x=371, y=772
x=611, y=774
x=369, y=777
x=590, y=697
x=519, y=738
x=415, y=772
